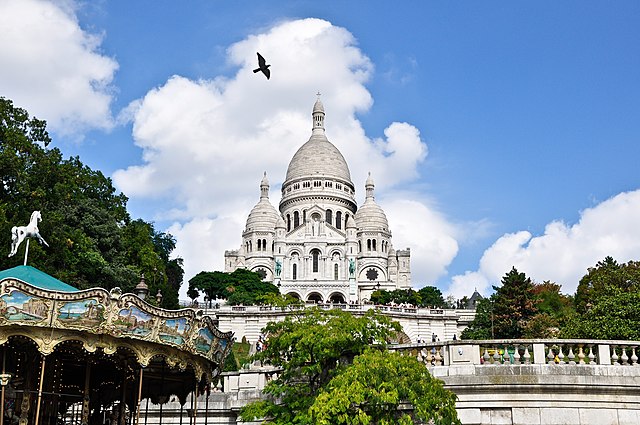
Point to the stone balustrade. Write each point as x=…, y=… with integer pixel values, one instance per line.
x=524, y=382
x=525, y=352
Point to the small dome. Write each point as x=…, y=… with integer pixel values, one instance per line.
x=263, y=216
x=370, y=216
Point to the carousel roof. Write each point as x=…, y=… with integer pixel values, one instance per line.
x=35, y=277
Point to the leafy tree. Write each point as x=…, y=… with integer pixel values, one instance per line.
x=93, y=241
x=514, y=305
x=312, y=346
x=553, y=310
x=239, y=287
x=397, y=296
x=373, y=389
x=603, y=279
x=431, y=296
x=481, y=327
x=607, y=302
x=612, y=316
x=280, y=300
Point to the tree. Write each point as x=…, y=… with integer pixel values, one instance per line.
x=605, y=277
x=315, y=347
x=514, y=305
x=374, y=388
x=397, y=296
x=430, y=296
x=553, y=311
x=312, y=346
x=239, y=287
x=613, y=316
x=481, y=327
x=93, y=241
x=320, y=352
x=607, y=302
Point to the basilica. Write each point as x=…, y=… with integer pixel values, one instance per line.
x=320, y=246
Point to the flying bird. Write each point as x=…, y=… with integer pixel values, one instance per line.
x=262, y=66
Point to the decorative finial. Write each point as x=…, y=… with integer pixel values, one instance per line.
x=318, y=94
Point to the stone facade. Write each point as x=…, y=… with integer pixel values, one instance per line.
x=320, y=246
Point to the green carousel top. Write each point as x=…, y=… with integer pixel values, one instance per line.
x=37, y=278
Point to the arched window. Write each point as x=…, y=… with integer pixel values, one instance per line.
x=359, y=246
x=294, y=270
x=346, y=217
x=304, y=216
x=338, y=219
x=368, y=244
x=315, y=254
x=288, y=223
x=335, y=272
x=296, y=219
x=259, y=244
x=373, y=244
x=264, y=244
x=329, y=217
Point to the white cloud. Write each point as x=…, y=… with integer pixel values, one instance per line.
x=431, y=238
x=53, y=68
x=564, y=252
x=206, y=143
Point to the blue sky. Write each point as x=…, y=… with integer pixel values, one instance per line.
x=499, y=134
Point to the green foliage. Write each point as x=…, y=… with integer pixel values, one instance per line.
x=606, y=277
x=238, y=356
x=513, y=306
x=239, y=287
x=481, y=326
x=93, y=241
x=554, y=309
x=280, y=300
x=613, y=316
x=372, y=389
x=607, y=302
x=430, y=296
x=312, y=347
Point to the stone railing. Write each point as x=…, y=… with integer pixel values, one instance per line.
x=398, y=309
x=525, y=352
x=541, y=381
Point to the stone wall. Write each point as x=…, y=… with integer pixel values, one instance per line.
x=523, y=382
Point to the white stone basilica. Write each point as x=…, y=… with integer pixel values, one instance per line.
x=321, y=247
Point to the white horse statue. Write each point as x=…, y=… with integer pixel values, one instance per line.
x=19, y=233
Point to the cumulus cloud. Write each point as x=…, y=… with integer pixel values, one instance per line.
x=564, y=252
x=207, y=142
x=54, y=68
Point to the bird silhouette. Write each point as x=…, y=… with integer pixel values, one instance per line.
x=262, y=66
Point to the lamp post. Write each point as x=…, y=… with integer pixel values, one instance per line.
x=141, y=289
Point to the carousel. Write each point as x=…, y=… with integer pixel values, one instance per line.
x=91, y=356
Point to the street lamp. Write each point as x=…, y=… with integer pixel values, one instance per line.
x=141, y=289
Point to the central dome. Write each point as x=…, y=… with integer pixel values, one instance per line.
x=318, y=157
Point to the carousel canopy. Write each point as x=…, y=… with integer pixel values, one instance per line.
x=37, y=278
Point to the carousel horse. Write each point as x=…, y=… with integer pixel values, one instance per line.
x=19, y=233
